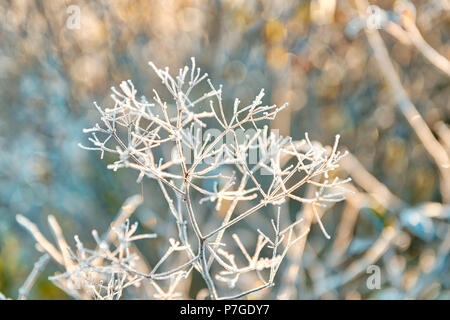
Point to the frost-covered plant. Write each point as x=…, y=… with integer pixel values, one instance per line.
x=239, y=166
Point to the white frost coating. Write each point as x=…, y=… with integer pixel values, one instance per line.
x=240, y=166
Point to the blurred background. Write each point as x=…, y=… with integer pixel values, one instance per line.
x=313, y=54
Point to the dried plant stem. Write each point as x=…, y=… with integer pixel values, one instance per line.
x=370, y=183
x=428, y=51
x=32, y=277
x=430, y=143
x=202, y=246
x=243, y=294
x=48, y=247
